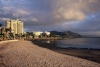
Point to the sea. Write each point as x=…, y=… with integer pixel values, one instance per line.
x=93, y=43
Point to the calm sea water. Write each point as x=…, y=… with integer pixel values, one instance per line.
x=79, y=43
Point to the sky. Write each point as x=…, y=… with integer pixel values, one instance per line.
x=80, y=16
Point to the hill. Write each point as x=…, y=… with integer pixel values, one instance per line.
x=65, y=34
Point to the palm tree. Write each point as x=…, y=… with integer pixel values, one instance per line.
x=43, y=35
x=0, y=32
x=7, y=30
x=0, y=24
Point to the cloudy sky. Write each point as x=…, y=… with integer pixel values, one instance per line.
x=80, y=16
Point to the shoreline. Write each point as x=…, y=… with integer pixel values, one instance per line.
x=88, y=54
x=28, y=54
x=84, y=53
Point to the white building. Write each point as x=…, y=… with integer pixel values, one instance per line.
x=20, y=27
x=47, y=33
x=37, y=34
x=16, y=26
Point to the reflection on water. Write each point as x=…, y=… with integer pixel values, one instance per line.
x=76, y=43
x=48, y=41
x=79, y=43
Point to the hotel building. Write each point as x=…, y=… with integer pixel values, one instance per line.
x=16, y=26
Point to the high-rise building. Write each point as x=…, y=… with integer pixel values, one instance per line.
x=20, y=27
x=16, y=26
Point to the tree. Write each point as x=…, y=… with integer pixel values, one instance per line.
x=1, y=36
x=8, y=31
x=44, y=35
x=0, y=24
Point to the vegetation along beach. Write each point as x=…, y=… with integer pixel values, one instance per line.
x=49, y=33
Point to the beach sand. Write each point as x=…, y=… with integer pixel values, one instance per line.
x=85, y=53
x=28, y=54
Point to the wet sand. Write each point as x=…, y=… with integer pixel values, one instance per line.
x=28, y=54
x=91, y=55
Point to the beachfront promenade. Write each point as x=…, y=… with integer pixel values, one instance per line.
x=7, y=41
x=27, y=54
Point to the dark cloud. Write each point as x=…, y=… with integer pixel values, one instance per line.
x=75, y=15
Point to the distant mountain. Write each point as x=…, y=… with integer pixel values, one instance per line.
x=65, y=34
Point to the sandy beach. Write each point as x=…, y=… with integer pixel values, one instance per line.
x=84, y=53
x=28, y=54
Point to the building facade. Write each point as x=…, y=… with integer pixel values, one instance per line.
x=47, y=33
x=37, y=34
x=16, y=26
x=20, y=27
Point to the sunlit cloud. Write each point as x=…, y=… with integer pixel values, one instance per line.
x=74, y=15
x=4, y=19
